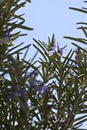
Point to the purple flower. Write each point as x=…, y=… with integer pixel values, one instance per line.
x=56, y=49
x=20, y=92
x=37, y=85
x=6, y=38
x=76, y=59
x=34, y=84
x=43, y=89
x=60, y=50
x=7, y=34
x=76, y=51
x=53, y=50
x=17, y=93
x=78, y=56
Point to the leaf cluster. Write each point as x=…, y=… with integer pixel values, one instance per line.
x=9, y=18
x=45, y=94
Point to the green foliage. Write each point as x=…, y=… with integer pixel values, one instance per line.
x=67, y=87
x=82, y=65
x=10, y=20
x=82, y=27
x=45, y=94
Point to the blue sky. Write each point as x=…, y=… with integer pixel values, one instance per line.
x=53, y=16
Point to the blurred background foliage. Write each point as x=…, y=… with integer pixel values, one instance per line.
x=49, y=93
